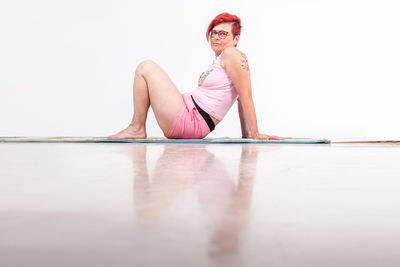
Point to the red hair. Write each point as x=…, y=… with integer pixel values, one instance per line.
x=225, y=17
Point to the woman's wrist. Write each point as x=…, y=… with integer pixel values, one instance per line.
x=252, y=134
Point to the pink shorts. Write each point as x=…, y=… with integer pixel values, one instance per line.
x=188, y=123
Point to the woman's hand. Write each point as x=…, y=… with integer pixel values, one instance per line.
x=265, y=137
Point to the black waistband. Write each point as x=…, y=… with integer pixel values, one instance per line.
x=205, y=116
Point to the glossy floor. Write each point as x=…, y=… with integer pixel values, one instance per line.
x=199, y=205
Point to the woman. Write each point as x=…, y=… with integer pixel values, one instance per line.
x=195, y=115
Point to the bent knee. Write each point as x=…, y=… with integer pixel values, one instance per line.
x=145, y=66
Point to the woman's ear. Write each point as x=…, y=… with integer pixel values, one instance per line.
x=236, y=40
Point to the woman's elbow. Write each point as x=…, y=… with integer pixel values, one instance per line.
x=245, y=98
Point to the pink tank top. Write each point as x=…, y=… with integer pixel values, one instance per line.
x=216, y=92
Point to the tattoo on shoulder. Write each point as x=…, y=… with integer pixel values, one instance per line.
x=245, y=63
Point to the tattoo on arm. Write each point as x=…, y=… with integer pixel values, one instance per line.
x=245, y=63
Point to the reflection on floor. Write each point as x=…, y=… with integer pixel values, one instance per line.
x=199, y=205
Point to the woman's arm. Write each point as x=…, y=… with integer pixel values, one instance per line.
x=236, y=65
x=242, y=121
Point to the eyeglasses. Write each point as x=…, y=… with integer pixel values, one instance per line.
x=221, y=34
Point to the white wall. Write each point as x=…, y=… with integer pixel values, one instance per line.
x=319, y=68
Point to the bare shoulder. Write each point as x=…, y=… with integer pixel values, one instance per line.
x=232, y=55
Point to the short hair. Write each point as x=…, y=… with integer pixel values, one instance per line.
x=222, y=18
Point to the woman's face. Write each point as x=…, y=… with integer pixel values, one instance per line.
x=218, y=44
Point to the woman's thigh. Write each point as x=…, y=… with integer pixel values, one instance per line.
x=165, y=99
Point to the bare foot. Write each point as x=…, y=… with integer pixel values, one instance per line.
x=130, y=133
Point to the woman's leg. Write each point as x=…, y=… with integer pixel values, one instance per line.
x=152, y=86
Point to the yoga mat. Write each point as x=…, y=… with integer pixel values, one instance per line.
x=160, y=140
x=368, y=142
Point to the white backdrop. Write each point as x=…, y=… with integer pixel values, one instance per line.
x=319, y=68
